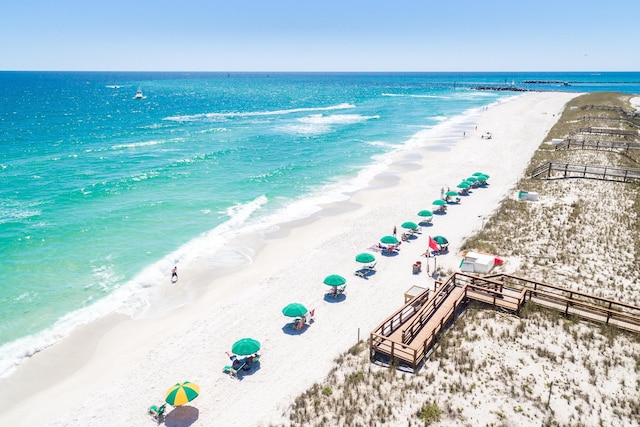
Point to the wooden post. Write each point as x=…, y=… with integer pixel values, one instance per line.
x=549, y=398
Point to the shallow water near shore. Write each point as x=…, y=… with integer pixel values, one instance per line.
x=103, y=193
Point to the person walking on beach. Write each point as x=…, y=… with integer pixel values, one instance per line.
x=174, y=274
x=395, y=231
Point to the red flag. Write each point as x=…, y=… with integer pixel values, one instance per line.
x=433, y=244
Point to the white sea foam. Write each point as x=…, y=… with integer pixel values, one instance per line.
x=11, y=211
x=381, y=144
x=320, y=123
x=223, y=116
x=413, y=95
x=145, y=143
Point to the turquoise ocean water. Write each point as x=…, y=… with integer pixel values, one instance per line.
x=102, y=194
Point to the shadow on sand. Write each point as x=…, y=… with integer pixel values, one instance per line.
x=182, y=416
x=339, y=298
x=290, y=330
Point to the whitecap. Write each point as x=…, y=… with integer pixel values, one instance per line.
x=222, y=116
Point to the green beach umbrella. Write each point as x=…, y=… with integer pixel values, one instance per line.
x=464, y=184
x=477, y=173
x=409, y=225
x=483, y=177
x=451, y=193
x=245, y=347
x=365, y=258
x=439, y=202
x=334, y=280
x=295, y=310
x=182, y=393
x=472, y=179
x=440, y=240
x=389, y=240
x=425, y=213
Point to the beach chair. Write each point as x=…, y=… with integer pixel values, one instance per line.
x=233, y=372
x=361, y=273
x=371, y=266
x=157, y=411
x=311, y=316
x=251, y=361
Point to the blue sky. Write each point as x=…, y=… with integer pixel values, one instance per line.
x=320, y=35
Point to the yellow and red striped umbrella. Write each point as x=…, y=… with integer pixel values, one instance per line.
x=182, y=393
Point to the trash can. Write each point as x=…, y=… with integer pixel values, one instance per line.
x=417, y=267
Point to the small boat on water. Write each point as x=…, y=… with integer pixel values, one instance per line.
x=139, y=94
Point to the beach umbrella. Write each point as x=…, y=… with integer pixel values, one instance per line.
x=425, y=213
x=472, y=179
x=464, y=184
x=477, y=173
x=389, y=240
x=409, y=225
x=245, y=347
x=334, y=280
x=482, y=177
x=439, y=202
x=365, y=258
x=440, y=240
x=451, y=193
x=295, y=310
x=182, y=393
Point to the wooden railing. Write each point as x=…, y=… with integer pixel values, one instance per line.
x=574, y=170
x=501, y=291
x=605, y=131
x=575, y=302
x=611, y=119
x=597, y=145
x=407, y=311
x=410, y=332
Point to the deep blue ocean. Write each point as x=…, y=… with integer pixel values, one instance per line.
x=102, y=193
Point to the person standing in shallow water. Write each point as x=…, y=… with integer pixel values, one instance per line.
x=174, y=274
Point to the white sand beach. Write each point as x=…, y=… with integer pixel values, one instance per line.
x=110, y=372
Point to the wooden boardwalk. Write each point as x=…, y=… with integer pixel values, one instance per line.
x=407, y=336
x=574, y=170
x=603, y=145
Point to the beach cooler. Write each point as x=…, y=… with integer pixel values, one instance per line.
x=527, y=195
